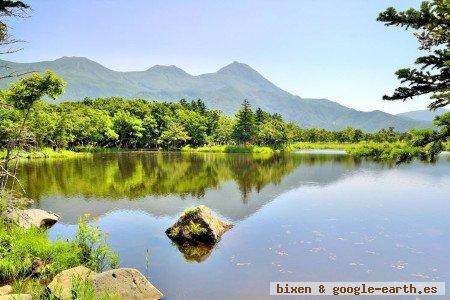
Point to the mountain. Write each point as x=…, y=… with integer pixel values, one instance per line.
x=224, y=90
x=423, y=115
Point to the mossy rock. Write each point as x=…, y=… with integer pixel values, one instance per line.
x=198, y=225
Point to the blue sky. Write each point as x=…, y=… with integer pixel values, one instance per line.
x=330, y=49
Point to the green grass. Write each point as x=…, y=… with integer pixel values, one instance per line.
x=312, y=146
x=230, y=149
x=174, y=231
x=189, y=211
x=386, y=151
x=3, y=203
x=21, y=249
x=44, y=153
x=29, y=259
x=196, y=228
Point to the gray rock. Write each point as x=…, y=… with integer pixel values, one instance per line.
x=61, y=285
x=198, y=225
x=6, y=289
x=126, y=283
x=28, y=218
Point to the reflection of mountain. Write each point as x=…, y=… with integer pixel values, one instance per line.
x=163, y=184
x=236, y=186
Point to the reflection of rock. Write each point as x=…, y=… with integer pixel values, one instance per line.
x=126, y=283
x=198, y=225
x=61, y=285
x=197, y=253
x=27, y=218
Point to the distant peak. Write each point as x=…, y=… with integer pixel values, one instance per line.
x=167, y=69
x=235, y=66
x=74, y=58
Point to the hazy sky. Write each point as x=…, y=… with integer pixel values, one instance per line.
x=315, y=49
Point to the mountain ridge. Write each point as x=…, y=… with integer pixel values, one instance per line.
x=224, y=89
x=423, y=115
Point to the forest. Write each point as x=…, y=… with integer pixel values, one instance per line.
x=139, y=124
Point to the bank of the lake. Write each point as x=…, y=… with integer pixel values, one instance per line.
x=44, y=153
x=379, y=151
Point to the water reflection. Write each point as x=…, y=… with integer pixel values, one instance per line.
x=194, y=253
x=299, y=217
x=163, y=184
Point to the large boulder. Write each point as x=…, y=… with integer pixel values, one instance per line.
x=198, y=225
x=6, y=289
x=126, y=283
x=61, y=285
x=28, y=218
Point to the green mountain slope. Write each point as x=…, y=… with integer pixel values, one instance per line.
x=224, y=90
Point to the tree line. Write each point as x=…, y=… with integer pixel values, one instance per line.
x=124, y=123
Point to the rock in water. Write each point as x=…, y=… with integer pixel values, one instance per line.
x=27, y=218
x=61, y=285
x=198, y=225
x=125, y=283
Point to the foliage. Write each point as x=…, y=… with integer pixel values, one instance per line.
x=244, y=129
x=399, y=152
x=29, y=258
x=21, y=249
x=432, y=76
x=25, y=92
x=189, y=211
x=95, y=252
x=196, y=228
x=432, y=24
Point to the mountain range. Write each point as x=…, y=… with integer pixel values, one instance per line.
x=423, y=115
x=225, y=90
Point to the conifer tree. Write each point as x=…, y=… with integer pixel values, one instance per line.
x=244, y=130
x=432, y=76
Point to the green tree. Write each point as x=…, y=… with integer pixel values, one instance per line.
x=195, y=125
x=174, y=136
x=244, y=129
x=223, y=135
x=129, y=128
x=432, y=25
x=432, y=77
x=22, y=95
x=272, y=133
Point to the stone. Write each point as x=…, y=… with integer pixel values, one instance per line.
x=198, y=225
x=126, y=283
x=27, y=218
x=61, y=285
x=16, y=297
x=6, y=289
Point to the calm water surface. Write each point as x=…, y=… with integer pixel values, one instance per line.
x=299, y=217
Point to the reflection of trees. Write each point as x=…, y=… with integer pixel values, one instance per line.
x=138, y=174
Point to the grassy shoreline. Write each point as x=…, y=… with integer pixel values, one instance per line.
x=45, y=153
x=383, y=151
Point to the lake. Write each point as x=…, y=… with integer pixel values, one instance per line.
x=298, y=217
